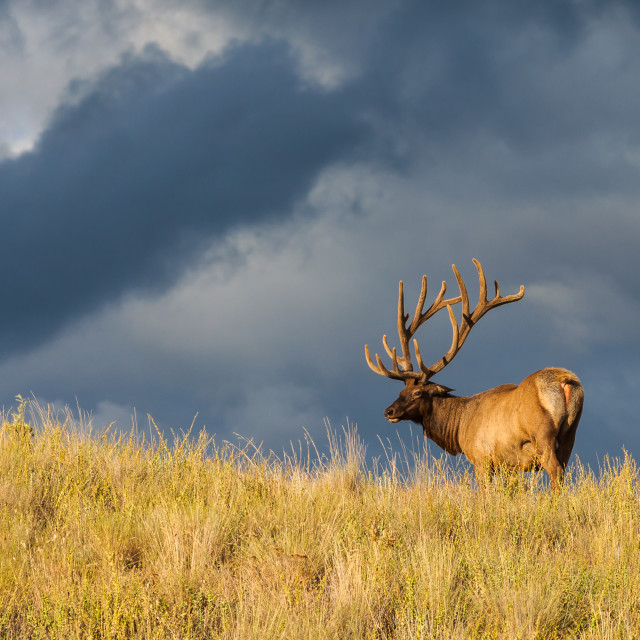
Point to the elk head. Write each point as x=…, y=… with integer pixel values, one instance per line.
x=416, y=399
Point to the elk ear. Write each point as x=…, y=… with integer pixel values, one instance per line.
x=439, y=390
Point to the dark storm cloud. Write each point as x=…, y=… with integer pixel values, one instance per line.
x=142, y=168
x=515, y=71
x=525, y=105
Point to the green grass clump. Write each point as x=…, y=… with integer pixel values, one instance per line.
x=109, y=536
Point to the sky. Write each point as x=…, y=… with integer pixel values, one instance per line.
x=206, y=207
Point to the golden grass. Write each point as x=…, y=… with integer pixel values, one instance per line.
x=106, y=536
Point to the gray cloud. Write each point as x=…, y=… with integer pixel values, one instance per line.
x=11, y=38
x=529, y=79
x=138, y=171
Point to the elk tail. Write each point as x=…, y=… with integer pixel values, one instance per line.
x=573, y=396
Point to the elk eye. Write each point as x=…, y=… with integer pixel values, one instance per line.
x=417, y=393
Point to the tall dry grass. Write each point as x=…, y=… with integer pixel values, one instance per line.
x=108, y=536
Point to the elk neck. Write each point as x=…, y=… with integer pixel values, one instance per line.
x=442, y=424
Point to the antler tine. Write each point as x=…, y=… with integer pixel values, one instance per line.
x=387, y=348
x=484, y=304
x=463, y=294
x=421, y=364
x=449, y=356
x=439, y=303
x=482, y=297
x=470, y=318
x=395, y=374
x=379, y=368
x=420, y=305
x=403, y=333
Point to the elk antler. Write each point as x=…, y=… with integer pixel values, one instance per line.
x=402, y=367
x=405, y=333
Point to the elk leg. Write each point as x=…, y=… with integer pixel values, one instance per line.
x=484, y=475
x=567, y=436
x=566, y=442
x=565, y=447
x=551, y=464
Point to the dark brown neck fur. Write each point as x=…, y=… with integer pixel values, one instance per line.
x=443, y=423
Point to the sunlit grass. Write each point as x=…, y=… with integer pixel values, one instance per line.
x=105, y=535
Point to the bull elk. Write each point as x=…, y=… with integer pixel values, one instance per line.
x=514, y=427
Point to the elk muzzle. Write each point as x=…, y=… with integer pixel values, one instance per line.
x=390, y=413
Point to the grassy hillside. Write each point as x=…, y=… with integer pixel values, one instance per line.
x=111, y=537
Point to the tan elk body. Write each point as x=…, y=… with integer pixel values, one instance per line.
x=512, y=427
